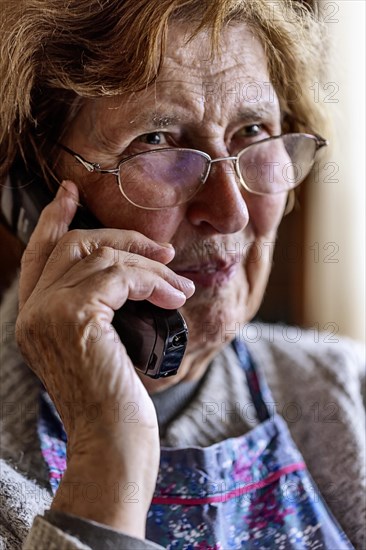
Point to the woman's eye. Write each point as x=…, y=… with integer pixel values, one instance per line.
x=251, y=131
x=153, y=138
x=146, y=142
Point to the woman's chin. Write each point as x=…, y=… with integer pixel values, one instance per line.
x=214, y=316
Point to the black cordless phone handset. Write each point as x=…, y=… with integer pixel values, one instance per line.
x=155, y=338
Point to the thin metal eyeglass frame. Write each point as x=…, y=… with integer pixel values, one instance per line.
x=95, y=167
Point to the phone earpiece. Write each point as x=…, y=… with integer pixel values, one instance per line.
x=21, y=205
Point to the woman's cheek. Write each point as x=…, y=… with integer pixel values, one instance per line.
x=112, y=209
x=266, y=212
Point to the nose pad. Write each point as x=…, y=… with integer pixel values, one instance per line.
x=220, y=201
x=225, y=168
x=225, y=171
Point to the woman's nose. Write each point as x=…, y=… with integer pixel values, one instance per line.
x=220, y=202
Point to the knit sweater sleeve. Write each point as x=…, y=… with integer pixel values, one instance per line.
x=77, y=534
x=25, y=522
x=45, y=535
x=21, y=498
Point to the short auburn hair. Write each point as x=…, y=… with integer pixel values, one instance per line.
x=55, y=53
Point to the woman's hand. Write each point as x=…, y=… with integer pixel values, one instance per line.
x=71, y=282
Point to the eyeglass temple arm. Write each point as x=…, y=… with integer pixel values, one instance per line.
x=88, y=165
x=321, y=142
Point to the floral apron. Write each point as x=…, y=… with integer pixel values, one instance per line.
x=247, y=492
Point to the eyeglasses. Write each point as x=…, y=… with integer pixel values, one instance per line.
x=168, y=177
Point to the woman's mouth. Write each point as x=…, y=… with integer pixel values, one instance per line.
x=209, y=274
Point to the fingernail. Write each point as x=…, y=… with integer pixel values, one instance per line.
x=166, y=245
x=188, y=283
x=64, y=188
x=178, y=293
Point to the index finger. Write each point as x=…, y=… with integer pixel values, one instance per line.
x=43, y=248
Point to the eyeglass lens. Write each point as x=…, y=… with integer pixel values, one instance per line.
x=162, y=178
x=277, y=165
x=166, y=178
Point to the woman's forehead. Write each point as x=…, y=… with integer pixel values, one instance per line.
x=236, y=82
x=238, y=47
x=214, y=111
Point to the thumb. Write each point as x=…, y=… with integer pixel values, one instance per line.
x=52, y=225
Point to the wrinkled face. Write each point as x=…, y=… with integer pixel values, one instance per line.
x=224, y=235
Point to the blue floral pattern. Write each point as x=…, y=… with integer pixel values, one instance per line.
x=250, y=492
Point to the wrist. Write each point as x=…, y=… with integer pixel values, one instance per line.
x=104, y=492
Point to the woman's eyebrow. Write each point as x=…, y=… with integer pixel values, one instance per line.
x=260, y=109
x=156, y=119
x=159, y=119
x=144, y=122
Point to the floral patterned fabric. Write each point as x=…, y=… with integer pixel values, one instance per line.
x=248, y=492
x=53, y=440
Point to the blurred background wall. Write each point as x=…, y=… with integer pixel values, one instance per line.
x=335, y=284
x=318, y=277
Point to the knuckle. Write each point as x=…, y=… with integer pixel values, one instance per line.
x=166, y=273
x=74, y=235
x=136, y=242
x=26, y=331
x=104, y=253
x=113, y=270
x=132, y=236
x=73, y=239
x=129, y=259
x=92, y=252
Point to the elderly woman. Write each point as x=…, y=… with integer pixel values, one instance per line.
x=162, y=141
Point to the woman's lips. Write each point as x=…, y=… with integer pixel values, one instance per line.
x=211, y=274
